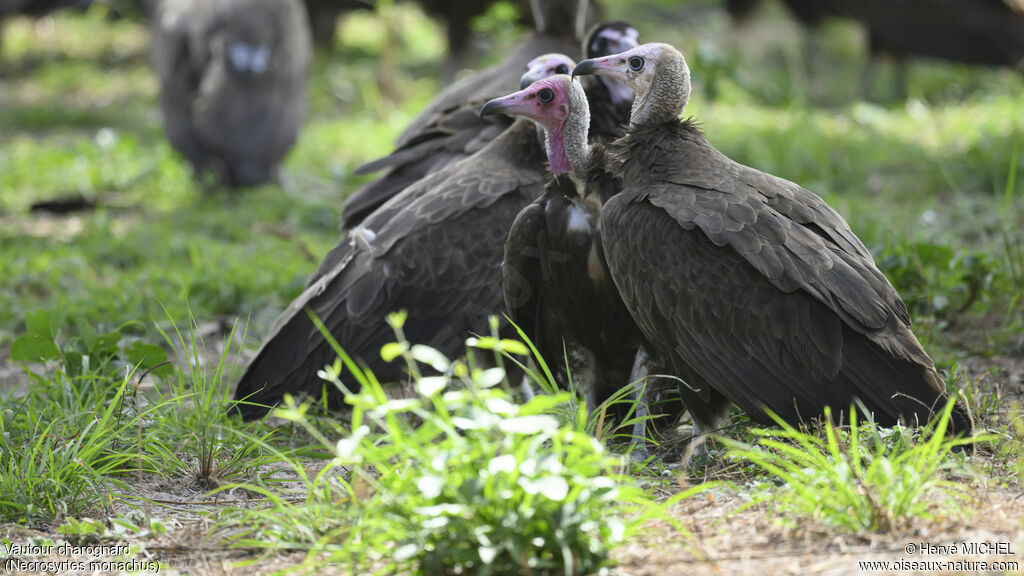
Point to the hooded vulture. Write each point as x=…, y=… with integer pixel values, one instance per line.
x=748, y=287
x=451, y=129
x=555, y=279
x=434, y=250
x=233, y=77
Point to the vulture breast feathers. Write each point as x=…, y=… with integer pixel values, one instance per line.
x=435, y=250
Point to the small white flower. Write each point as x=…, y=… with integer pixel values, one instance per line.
x=403, y=553
x=430, y=486
x=505, y=463
x=427, y=386
x=490, y=377
x=501, y=406
x=529, y=424
x=347, y=447
x=487, y=554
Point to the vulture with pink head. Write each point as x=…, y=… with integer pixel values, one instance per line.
x=555, y=279
x=434, y=250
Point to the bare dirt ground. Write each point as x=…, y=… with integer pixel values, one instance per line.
x=723, y=541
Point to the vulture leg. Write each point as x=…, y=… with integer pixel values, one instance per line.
x=526, y=388
x=899, y=77
x=641, y=398
x=866, y=78
x=707, y=416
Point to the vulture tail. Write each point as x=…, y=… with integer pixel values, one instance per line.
x=896, y=388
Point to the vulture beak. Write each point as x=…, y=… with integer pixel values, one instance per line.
x=516, y=104
x=609, y=66
x=496, y=106
x=585, y=68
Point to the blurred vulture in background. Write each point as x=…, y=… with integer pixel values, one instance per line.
x=983, y=32
x=450, y=128
x=457, y=15
x=434, y=249
x=233, y=79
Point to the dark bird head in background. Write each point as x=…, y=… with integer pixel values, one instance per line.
x=544, y=66
x=657, y=73
x=609, y=38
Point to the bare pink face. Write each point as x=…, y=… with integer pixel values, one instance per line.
x=545, y=102
x=545, y=66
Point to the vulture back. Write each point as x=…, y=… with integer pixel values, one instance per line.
x=233, y=76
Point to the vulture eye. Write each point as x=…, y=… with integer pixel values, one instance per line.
x=545, y=95
x=562, y=69
x=636, y=63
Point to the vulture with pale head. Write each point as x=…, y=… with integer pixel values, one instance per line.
x=750, y=288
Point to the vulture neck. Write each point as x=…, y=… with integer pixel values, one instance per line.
x=568, y=150
x=666, y=99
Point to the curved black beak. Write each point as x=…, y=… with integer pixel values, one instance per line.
x=524, y=81
x=496, y=106
x=584, y=68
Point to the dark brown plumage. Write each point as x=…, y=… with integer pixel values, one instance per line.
x=233, y=78
x=451, y=129
x=435, y=250
x=752, y=289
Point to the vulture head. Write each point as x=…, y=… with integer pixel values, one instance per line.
x=609, y=38
x=658, y=75
x=544, y=66
x=559, y=105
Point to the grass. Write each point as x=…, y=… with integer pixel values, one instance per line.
x=861, y=478
x=160, y=271
x=63, y=446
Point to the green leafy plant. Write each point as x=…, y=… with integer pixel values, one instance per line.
x=860, y=478
x=454, y=479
